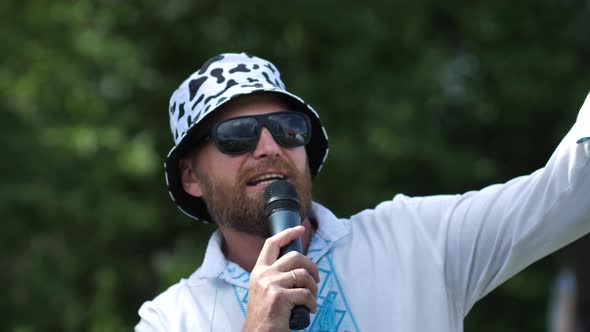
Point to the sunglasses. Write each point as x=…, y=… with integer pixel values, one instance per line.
x=240, y=135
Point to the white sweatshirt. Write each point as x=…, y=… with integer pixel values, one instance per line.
x=409, y=264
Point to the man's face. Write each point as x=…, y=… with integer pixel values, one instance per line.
x=232, y=186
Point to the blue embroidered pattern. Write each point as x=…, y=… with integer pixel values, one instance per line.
x=333, y=314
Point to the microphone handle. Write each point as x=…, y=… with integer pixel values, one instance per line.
x=281, y=220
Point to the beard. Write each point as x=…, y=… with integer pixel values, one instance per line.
x=230, y=206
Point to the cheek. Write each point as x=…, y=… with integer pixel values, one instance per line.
x=224, y=168
x=299, y=158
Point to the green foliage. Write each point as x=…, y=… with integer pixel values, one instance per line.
x=419, y=98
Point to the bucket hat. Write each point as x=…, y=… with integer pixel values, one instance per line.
x=221, y=79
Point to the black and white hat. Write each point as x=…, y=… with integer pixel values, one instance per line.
x=221, y=79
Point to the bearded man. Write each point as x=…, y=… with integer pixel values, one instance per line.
x=409, y=264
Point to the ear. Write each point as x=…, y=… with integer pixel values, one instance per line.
x=189, y=178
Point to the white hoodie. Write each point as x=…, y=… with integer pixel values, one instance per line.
x=409, y=264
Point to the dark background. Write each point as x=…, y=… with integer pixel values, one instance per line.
x=417, y=97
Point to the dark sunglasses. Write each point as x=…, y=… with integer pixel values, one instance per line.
x=240, y=135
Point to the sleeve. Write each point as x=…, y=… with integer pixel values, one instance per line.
x=150, y=320
x=485, y=237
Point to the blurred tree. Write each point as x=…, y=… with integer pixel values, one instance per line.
x=582, y=271
x=419, y=98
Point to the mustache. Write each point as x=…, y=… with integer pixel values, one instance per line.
x=277, y=164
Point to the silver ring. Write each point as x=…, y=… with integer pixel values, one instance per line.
x=294, y=278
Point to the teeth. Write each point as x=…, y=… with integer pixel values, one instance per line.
x=267, y=178
x=263, y=183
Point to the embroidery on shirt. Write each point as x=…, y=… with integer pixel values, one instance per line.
x=333, y=314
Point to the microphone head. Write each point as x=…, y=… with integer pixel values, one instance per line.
x=280, y=194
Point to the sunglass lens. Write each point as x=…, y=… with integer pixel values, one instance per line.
x=289, y=129
x=237, y=135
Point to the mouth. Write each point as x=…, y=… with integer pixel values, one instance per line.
x=265, y=179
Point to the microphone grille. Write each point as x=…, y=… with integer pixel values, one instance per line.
x=280, y=194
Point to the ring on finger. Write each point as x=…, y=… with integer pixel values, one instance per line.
x=294, y=278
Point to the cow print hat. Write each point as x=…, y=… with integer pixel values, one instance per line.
x=221, y=79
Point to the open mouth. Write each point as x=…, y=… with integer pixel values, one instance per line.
x=266, y=179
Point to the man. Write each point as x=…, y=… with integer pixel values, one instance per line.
x=409, y=264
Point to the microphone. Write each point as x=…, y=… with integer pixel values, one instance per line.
x=281, y=205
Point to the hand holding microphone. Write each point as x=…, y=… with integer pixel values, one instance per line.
x=281, y=204
x=283, y=284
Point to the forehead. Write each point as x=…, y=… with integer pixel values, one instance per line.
x=252, y=105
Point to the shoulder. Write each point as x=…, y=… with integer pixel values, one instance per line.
x=403, y=219
x=386, y=210
x=402, y=207
x=185, y=290
x=191, y=295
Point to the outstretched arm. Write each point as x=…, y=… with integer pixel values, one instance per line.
x=485, y=237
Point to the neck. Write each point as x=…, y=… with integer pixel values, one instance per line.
x=243, y=249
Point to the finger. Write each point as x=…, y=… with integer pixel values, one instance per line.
x=272, y=245
x=302, y=296
x=299, y=278
x=294, y=260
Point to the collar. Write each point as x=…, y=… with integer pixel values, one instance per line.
x=329, y=230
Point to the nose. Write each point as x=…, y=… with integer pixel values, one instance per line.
x=266, y=146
